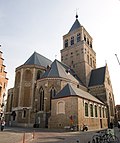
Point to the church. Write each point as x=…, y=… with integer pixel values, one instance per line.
x=62, y=93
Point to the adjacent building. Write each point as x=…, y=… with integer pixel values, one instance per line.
x=3, y=85
x=58, y=94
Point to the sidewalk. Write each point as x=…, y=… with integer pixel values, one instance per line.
x=38, y=135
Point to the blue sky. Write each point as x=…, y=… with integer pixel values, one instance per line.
x=38, y=25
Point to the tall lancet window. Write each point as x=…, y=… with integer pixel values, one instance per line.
x=52, y=95
x=41, y=99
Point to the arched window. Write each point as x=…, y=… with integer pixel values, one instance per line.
x=61, y=107
x=53, y=92
x=103, y=111
x=86, y=109
x=28, y=75
x=96, y=114
x=52, y=95
x=100, y=111
x=91, y=110
x=41, y=99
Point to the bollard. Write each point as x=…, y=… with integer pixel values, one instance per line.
x=88, y=141
x=24, y=138
x=77, y=141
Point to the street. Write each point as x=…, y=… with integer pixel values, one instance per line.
x=31, y=135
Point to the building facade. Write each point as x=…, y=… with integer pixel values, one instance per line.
x=3, y=85
x=57, y=94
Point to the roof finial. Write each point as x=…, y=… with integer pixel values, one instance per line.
x=76, y=13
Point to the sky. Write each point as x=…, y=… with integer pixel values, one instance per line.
x=39, y=25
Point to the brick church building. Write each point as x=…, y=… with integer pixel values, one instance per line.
x=58, y=94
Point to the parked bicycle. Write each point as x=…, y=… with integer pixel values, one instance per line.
x=105, y=137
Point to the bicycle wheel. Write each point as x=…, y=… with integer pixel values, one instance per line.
x=114, y=139
x=106, y=138
x=96, y=139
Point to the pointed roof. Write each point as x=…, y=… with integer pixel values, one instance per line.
x=37, y=59
x=97, y=76
x=59, y=69
x=71, y=90
x=76, y=25
x=67, y=90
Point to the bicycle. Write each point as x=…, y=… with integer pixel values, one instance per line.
x=105, y=137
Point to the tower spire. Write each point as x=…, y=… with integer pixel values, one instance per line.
x=76, y=14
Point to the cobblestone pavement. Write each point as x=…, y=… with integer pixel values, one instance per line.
x=30, y=135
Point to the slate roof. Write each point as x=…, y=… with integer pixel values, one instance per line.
x=75, y=26
x=71, y=90
x=97, y=76
x=37, y=59
x=59, y=69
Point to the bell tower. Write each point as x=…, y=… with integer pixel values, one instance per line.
x=78, y=51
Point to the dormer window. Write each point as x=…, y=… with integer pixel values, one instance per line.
x=66, y=43
x=78, y=37
x=72, y=40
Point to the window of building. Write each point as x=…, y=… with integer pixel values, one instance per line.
x=103, y=112
x=53, y=92
x=85, y=37
x=88, y=59
x=93, y=64
x=87, y=41
x=100, y=112
x=91, y=61
x=14, y=115
x=28, y=75
x=24, y=113
x=106, y=113
x=86, y=109
x=72, y=40
x=41, y=99
x=90, y=44
x=61, y=107
x=66, y=43
x=38, y=75
x=91, y=110
x=61, y=58
x=78, y=37
x=52, y=95
x=96, y=114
